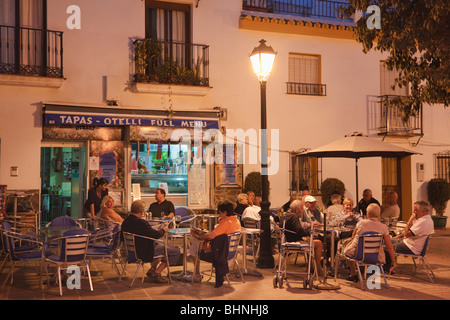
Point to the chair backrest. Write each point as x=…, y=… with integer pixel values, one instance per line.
x=6, y=226
x=425, y=246
x=63, y=221
x=251, y=223
x=130, y=247
x=369, y=246
x=8, y=243
x=115, y=238
x=233, y=243
x=73, y=244
x=183, y=212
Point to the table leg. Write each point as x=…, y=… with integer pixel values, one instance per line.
x=245, y=270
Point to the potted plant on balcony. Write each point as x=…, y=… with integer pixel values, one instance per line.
x=438, y=191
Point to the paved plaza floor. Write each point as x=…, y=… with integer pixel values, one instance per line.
x=406, y=284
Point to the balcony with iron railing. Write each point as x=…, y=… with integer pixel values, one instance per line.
x=322, y=9
x=174, y=63
x=392, y=122
x=308, y=89
x=31, y=52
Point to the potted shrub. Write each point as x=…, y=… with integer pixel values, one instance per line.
x=438, y=191
x=329, y=187
x=253, y=182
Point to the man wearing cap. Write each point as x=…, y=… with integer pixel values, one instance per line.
x=311, y=210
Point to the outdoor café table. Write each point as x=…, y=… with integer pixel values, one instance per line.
x=334, y=232
x=47, y=235
x=184, y=232
x=209, y=221
x=245, y=232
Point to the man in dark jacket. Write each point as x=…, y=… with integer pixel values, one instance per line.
x=146, y=249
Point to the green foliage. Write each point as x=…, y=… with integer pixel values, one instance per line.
x=329, y=187
x=438, y=191
x=151, y=66
x=253, y=182
x=414, y=34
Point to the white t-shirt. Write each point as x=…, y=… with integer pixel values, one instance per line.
x=252, y=213
x=420, y=228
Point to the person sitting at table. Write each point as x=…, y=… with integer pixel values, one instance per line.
x=252, y=213
x=335, y=212
x=294, y=196
x=311, y=209
x=251, y=197
x=241, y=204
x=391, y=210
x=419, y=226
x=301, y=230
x=107, y=212
x=161, y=208
x=351, y=217
x=336, y=203
x=365, y=201
x=228, y=223
x=146, y=249
x=372, y=223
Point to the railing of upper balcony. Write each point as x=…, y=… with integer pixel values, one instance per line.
x=391, y=121
x=171, y=62
x=309, y=89
x=29, y=51
x=305, y=8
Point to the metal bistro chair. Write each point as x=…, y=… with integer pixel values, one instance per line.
x=130, y=247
x=254, y=237
x=183, y=214
x=369, y=247
x=422, y=259
x=233, y=244
x=72, y=249
x=15, y=256
x=108, y=250
x=63, y=221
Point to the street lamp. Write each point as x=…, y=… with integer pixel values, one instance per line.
x=262, y=59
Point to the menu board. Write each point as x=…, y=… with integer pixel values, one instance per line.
x=197, y=190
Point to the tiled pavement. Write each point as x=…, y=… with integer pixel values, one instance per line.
x=406, y=284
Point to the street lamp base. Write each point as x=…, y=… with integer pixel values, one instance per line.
x=265, y=261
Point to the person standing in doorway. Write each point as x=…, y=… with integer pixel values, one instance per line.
x=95, y=196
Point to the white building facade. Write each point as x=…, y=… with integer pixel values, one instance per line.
x=93, y=65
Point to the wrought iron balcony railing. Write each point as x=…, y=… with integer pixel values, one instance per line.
x=171, y=62
x=305, y=8
x=32, y=52
x=391, y=121
x=309, y=89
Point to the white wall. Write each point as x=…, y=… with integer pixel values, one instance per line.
x=102, y=48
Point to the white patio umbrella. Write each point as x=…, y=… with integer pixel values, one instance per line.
x=356, y=146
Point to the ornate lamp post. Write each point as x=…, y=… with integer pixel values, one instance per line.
x=262, y=59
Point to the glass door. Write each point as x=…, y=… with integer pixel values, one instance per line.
x=62, y=181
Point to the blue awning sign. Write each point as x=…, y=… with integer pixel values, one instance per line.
x=91, y=120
